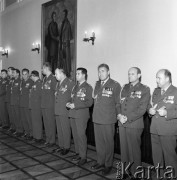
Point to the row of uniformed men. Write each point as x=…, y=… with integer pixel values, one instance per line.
x=62, y=103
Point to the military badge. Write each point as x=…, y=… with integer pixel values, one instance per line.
x=169, y=99
x=47, y=84
x=63, y=89
x=81, y=94
x=135, y=94
x=27, y=85
x=107, y=91
x=34, y=87
x=122, y=100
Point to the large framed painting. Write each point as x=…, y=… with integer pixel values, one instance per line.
x=59, y=28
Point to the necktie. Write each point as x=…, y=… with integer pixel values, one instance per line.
x=102, y=83
x=162, y=91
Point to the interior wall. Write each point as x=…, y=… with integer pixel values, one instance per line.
x=21, y=26
x=128, y=33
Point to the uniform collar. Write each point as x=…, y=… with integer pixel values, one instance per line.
x=137, y=84
x=79, y=84
x=165, y=89
x=63, y=80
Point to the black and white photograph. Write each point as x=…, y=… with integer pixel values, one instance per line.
x=88, y=89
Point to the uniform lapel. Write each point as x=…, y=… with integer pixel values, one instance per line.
x=104, y=85
x=160, y=97
x=63, y=82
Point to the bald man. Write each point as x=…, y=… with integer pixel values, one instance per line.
x=134, y=98
x=164, y=121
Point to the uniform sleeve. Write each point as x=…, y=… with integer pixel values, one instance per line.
x=2, y=92
x=117, y=97
x=172, y=112
x=151, y=102
x=39, y=88
x=54, y=83
x=142, y=107
x=71, y=85
x=88, y=101
x=31, y=84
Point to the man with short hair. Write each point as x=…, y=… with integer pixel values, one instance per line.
x=62, y=96
x=81, y=100
x=3, y=114
x=35, y=107
x=15, y=102
x=47, y=103
x=134, y=99
x=25, y=115
x=164, y=121
x=106, y=108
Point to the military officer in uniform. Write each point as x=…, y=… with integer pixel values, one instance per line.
x=8, y=97
x=81, y=100
x=25, y=115
x=106, y=104
x=164, y=121
x=3, y=114
x=15, y=102
x=47, y=104
x=62, y=96
x=35, y=107
x=134, y=98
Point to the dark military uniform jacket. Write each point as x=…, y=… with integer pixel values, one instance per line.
x=134, y=104
x=15, y=92
x=48, y=92
x=81, y=96
x=3, y=84
x=106, y=102
x=8, y=89
x=25, y=91
x=35, y=95
x=62, y=96
x=165, y=125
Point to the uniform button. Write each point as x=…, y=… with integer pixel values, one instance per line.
x=125, y=104
x=125, y=109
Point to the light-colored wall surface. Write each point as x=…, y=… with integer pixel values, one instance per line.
x=128, y=33
x=21, y=26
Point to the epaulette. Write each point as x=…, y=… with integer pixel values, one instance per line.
x=89, y=85
x=115, y=81
x=145, y=86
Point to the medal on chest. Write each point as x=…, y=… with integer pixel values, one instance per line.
x=135, y=94
x=169, y=99
x=107, y=91
x=81, y=94
x=46, y=85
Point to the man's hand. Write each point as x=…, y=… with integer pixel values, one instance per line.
x=72, y=106
x=162, y=111
x=152, y=110
x=122, y=118
x=68, y=105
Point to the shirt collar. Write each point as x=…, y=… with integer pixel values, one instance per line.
x=62, y=80
x=79, y=83
x=104, y=82
x=165, y=89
